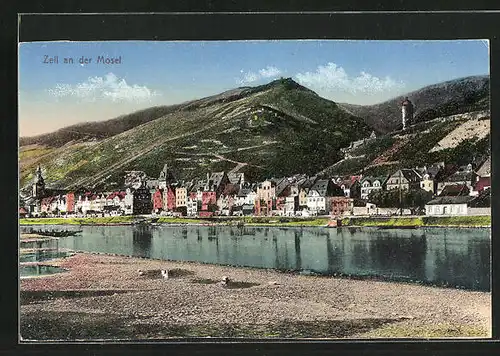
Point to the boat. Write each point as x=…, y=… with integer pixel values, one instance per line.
x=334, y=223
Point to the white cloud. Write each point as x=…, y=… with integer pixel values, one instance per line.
x=108, y=87
x=264, y=73
x=331, y=77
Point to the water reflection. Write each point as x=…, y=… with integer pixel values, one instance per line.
x=38, y=270
x=454, y=257
x=141, y=237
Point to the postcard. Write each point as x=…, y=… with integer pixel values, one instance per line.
x=256, y=189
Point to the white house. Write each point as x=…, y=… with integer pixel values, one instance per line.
x=291, y=204
x=61, y=204
x=315, y=202
x=192, y=206
x=82, y=204
x=128, y=202
x=115, y=203
x=448, y=205
x=370, y=184
x=245, y=196
x=320, y=194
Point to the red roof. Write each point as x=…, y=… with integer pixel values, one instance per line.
x=120, y=195
x=48, y=200
x=22, y=211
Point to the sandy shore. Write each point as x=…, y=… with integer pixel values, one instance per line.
x=104, y=297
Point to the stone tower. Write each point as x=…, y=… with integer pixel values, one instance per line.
x=38, y=184
x=407, y=112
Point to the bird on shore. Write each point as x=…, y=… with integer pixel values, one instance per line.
x=225, y=281
x=164, y=273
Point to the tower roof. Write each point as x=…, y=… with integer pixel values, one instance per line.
x=406, y=101
x=38, y=175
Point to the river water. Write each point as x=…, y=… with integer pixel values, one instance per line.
x=453, y=257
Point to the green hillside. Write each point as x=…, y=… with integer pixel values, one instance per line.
x=443, y=99
x=412, y=148
x=275, y=129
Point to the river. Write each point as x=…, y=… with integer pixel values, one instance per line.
x=451, y=257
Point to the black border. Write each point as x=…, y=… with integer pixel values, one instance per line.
x=187, y=25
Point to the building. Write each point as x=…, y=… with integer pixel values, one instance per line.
x=283, y=191
x=128, y=202
x=407, y=111
x=38, y=184
x=341, y=206
x=143, y=203
x=248, y=209
x=70, y=202
x=457, y=205
x=455, y=190
x=404, y=179
x=481, y=205
x=483, y=176
x=429, y=176
x=304, y=185
x=245, y=196
x=351, y=186
x=237, y=178
x=370, y=184
x=266, y=190
x=115, y=203
x=23, y=213
x=191, y=206
x=169, y=198
x=181, y=196
x=291, y=205
x=266, y=197
x=227, y=199
x=356, y=144
x=135, y=179
x=320, y=194
x=216, y=182
x=208, y=201
x=464, y=175
x=166, y=177
x=158, y=201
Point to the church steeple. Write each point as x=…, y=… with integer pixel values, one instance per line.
x=38, y=184
x=166, y=174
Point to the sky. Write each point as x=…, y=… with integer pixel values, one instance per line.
x=55, y=95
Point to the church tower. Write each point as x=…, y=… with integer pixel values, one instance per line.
x=38, y=184
x=407, y=112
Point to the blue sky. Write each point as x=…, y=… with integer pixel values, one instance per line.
x=161, y=73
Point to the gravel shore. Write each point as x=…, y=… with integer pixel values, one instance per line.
x=105, y=297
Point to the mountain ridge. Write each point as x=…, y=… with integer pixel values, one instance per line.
x=447, y=98
x=277, y=128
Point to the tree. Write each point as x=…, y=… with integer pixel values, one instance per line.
x=414, y=200
x=384, y=198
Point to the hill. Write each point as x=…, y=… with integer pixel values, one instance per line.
x=448, y=98
x=274, y=129
x=456, y=140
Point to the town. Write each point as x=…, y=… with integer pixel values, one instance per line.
x=437, y=189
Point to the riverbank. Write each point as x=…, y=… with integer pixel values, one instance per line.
x=397, y=222
x=104, y=297
x=420, y=221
